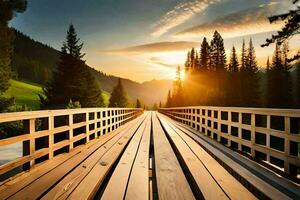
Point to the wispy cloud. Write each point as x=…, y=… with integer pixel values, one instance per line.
x=245, y=22
x=155, y=47
x=180, y=14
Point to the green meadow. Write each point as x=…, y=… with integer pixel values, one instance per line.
x=26, y=93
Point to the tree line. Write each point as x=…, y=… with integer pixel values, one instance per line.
x=213, y=79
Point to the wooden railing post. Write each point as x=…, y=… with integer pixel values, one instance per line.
x=252, y=134
x=87, y=127
x=51, y=135
x=71, y=132
x=29, y=145
x=287, y=131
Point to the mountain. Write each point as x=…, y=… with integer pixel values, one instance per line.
x=34, y=61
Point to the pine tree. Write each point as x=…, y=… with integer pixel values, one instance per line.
x=218, y=53
x=284, y=52
x=249, y=80
x=243, y=56
x=119, y=97
x=268, y=65
x=138, y=104
x=8, y=10
x=72, y=79
x=251, y=63
x=169, y=100
x=291, y=28
x=279, y=82
x=233, y=85
x=197, y=61
x=188, y=62
x=233, y=64
x=277, y=58
x=204, y=55
x=193, y=59
x=177, y=97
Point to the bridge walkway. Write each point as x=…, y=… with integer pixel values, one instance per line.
x=150, y=157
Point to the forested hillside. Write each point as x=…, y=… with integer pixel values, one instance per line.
x=35, y=62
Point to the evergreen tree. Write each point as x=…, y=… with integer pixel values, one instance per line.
x=290, y=29
x=249, y=80
x=193, y=59
x=233, y=86
x=169, y=100
x=251, y=63
x=188, y=62
x=8, y=9
x=177, y=98
x=218, y=74
x=277, y=58
x=284, y=54
x=233, y=64
x=243, y=56
x=218, y=53
x=197, y=61
x=72, y=79
x=279, y=82
x=138, y=104
x=204, y=55
x=160, y=104
x=268, y=66
x=119, y=97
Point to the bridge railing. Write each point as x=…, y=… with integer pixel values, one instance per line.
x=271, y=136
x=44, y=134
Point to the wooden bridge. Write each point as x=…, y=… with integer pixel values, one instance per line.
x=178, y=153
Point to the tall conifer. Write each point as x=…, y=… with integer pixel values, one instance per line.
x=233, y=64
x=119, y=97
x=72, y=79
x=204, y=55
x=218, y=53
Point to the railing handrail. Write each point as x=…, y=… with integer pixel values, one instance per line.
x=15, y=116
x=259, y=122
x=277, y=111
x=91, y=124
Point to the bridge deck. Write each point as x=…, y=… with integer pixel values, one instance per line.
x=148, y=158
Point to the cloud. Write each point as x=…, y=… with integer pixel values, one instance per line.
x=245, y=22
x=180, y=14
x=156, y=47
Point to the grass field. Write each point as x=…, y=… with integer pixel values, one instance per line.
x=24, y=93
x=27, y=94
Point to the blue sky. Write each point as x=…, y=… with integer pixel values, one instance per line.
x=109, y=27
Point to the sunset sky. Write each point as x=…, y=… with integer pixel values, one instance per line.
x=146, y=39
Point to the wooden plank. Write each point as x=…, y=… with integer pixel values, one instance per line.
x=116, y=187
x=13, y=185
x=138, y=185
x=263, y=186
x=38, y=185
x=206, y=184
x=97, y=174
x=232, y=188
x=171, y=181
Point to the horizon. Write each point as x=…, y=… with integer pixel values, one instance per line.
x=119, y=39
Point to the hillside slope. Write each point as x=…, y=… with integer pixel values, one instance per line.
x=35, y=62
x=24, y=93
